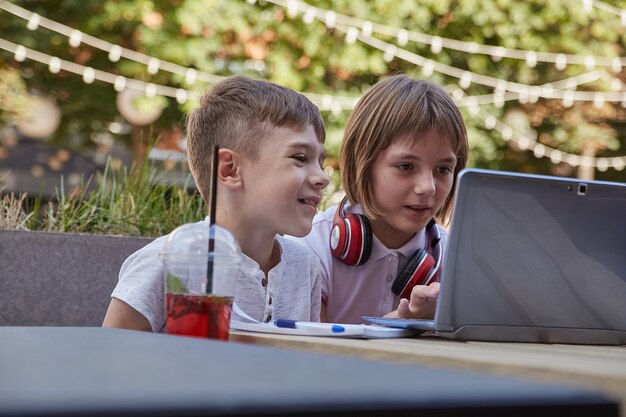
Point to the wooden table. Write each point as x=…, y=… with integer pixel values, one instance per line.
x=83, y=371
x=601, y=368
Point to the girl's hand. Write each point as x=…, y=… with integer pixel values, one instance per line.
x=422, y=304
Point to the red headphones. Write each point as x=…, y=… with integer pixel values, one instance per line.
x=351, y=243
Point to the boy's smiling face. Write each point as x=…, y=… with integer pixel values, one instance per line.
x=283, y=185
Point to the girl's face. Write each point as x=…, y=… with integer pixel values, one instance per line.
x=411, y=179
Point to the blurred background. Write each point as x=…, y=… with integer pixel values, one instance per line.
x=540, y=83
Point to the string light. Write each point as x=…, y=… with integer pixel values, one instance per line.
x=468, y=77
x=20, y=53
x=153, y=66
x=496, y=52
x=120, y=83
x=588, y=5
x=33, y=22
x=115, y=51
x=75, y=38
x=88, y=75
x=351, y=35
x=54, y=65
x=191, y=76
x=505, y=91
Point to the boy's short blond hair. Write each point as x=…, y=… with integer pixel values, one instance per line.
x=397, y=106
x=239, y=113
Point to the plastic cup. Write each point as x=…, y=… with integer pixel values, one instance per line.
x=194, y=305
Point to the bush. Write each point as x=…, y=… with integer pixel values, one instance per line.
x=129, y=202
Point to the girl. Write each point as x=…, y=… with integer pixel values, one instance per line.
x=380, y=249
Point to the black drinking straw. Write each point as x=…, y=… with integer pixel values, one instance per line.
x=212, y=215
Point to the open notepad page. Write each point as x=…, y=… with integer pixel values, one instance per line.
x=362, y=331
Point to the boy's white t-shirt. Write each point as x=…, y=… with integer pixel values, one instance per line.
x=291, y=292
x=351, y=292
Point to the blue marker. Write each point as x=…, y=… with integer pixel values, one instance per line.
x=294, y=324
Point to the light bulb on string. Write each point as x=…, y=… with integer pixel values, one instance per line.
x=561, y=62
x=20, y=53
x=616, y=84
x=539, y=151
x=523, y=142
x=618, y=163
x=498, y=54
x=590, y=63
x=153, y=66
x=466, y=80
x=54, y=66
x=120, y=83
x=150, y=90
x=556, y=157
x=330, y=19
x=367, y=28
x=33, y=22
x=190, y=76
x=533, y=96
x=292, y=8
x=573, y=160
x=89, y=75
x=403, y=37
x=390, y=53
x=507, y=133
x=115, y=53
x=490, y=122
x=309, y=15
x=436, y=45
x=498, y=100
x=501, y=87
x=602, y=164
x=568, y=99
x=428, y=68
x=181, y=96
x=76, y=37
x=351, y=35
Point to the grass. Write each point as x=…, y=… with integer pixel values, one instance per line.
x=128, y=202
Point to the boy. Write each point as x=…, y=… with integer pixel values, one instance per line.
x=269, y=183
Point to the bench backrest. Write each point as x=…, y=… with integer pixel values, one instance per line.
x=59, y=279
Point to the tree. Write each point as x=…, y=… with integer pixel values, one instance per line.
x=266, y=40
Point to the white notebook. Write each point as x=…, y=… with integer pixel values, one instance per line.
x=307, y=328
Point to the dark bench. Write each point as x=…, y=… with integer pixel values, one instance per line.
x=59, y=279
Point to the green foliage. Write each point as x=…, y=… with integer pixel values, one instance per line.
x=228, y=37
x=123, y=202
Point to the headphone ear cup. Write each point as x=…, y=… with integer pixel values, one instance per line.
x=339, y=238
x=414, y=273
x=367, y=238
x=358, y=238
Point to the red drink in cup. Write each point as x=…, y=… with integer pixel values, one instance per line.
x=193, y=307
x=205, y=316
